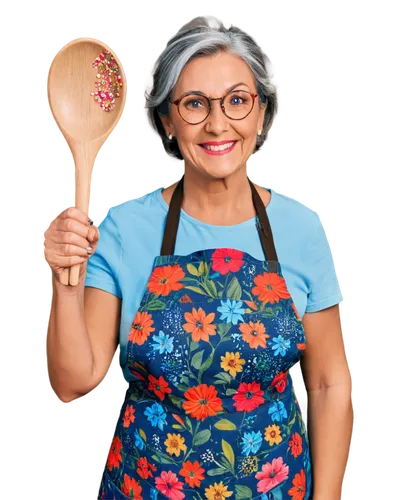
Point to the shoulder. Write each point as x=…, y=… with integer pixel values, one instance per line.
x=293, y=215
x=143, y=208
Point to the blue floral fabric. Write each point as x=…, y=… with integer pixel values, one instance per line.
x=211, y=412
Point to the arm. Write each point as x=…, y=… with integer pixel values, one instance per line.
x=330, y=412
x=82, y=338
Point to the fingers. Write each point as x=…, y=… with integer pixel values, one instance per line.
x=76, y=214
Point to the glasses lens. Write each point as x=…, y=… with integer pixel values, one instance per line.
x=238, y=104
x=193, y=108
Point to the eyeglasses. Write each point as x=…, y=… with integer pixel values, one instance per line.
x=195, y=107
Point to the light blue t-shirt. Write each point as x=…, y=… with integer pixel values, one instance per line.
x=131, y=236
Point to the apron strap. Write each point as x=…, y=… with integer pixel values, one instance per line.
x=262, y=223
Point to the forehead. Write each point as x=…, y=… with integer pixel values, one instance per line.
x=214, y=74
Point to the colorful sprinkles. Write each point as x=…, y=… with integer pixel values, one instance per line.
x=109, y=81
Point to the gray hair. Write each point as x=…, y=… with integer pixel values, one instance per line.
x=201, y=37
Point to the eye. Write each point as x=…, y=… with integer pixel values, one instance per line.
x=237, y=98
x=193, y=103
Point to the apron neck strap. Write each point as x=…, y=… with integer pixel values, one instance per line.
x=262, y=223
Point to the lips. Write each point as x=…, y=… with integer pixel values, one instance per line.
x=215, y=143
x=219, y=152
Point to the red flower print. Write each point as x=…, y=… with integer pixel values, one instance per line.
x=192, y=472
x=270, y=287
x=299, y=489
x=301, y=347
x=114, y=455
x=141, y=328
x=199, y=324
x=272, y=474
x=159, y=386
x=225, y=260
x=185, y=298
x=280, y=381
x=202, y=401
x=131, y=488
x=165, y=279
x=129, y=416
x=295, y=444
x=170, y=486
x=145, y=468
x=248, y=396
x=137, y=374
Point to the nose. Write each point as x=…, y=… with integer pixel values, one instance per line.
x=216, y=122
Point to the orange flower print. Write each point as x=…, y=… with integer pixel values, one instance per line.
x=159, y=386
x=185, y=298
x=129, y=416
x=299, y=489
x=192, y=472
x=295, y=311
x=165, y=279
x=199, y=324
x=144, y=468
x=251, y=304
x=225, y=260
x=178, y=418
x=141, y=328
x=131, y=488
x=248, y=396
x=202, y=402
x=295, y=444
x=270, y=287
x=169, y=485
x=301, y=347
x=114, y=455
x=254, y=334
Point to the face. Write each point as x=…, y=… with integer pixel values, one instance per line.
x=214, y=76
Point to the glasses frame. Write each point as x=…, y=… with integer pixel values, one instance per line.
x=221, y=99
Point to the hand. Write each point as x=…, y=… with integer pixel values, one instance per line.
x=67, y=239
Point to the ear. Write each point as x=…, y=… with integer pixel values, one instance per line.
x=260, y=123
x=168, y=127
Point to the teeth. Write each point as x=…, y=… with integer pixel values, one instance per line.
x=219, y=148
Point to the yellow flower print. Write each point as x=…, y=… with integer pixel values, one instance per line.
x=232, y=363
x=175, y=444
x=218, y=492
x=273, y=434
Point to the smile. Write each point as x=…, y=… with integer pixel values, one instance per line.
x=218, y=150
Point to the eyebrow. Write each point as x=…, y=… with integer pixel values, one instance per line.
x=226, y=91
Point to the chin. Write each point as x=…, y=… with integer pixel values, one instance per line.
x=218, y=172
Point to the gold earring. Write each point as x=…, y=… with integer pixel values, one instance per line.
x=259, y=132
x=170, y=136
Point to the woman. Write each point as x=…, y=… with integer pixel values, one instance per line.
x=212, y=320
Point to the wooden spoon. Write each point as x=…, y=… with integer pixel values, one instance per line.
x=81, y=119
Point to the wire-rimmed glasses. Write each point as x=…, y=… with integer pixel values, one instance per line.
x=194, y=107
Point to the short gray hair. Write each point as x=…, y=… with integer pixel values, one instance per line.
x=201, y=37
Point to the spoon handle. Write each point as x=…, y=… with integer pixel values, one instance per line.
x=84, y=160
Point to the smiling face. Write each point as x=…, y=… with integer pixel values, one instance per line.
x=213, y=76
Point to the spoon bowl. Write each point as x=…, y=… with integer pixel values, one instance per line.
x=85, y=122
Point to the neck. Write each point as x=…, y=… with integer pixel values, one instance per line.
x=226, y=201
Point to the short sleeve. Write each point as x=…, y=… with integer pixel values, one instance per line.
x=323, y=285
x=103, y=266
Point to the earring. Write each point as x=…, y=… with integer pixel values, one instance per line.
x=170, y=136
x=259, y=132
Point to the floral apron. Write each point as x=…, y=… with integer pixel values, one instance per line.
x=211, y=412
